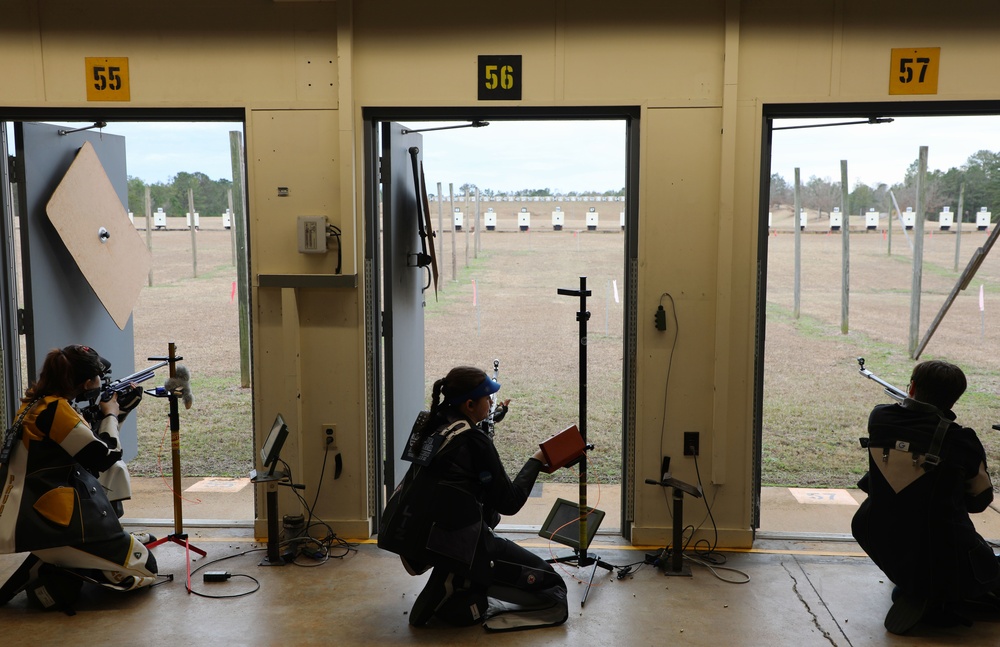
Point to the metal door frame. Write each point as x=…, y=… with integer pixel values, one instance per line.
x=373, y=116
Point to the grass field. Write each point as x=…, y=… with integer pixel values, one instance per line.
x=815, y=402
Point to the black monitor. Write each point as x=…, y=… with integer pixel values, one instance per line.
x=563, y=523
x=271, y=450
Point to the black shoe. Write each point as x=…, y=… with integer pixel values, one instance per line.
x=55, y=588
x=436, y=591
x=18, y=579
x=906, y=611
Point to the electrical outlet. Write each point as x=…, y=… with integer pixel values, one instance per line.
x=330, y=436
x=692, y=446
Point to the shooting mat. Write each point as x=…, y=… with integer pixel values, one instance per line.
x=116, y=266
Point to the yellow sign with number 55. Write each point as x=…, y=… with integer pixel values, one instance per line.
x=914, y=70
x=107, y=78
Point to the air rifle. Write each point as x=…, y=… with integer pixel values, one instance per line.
x=893, y=392
x=124, y=384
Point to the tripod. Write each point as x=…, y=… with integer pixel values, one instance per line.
x=178, y=536
x=581, y=557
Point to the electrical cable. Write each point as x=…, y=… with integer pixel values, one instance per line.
x=330, y=541
x=324, y=546
x=190, y=589
x=715, y=568
x=334, y=231
x=715, y=527
x=666, y=384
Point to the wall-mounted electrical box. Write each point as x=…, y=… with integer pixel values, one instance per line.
x=312, y=234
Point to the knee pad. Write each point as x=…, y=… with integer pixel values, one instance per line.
x=526, y=578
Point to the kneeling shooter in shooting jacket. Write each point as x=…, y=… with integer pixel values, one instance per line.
x=51, y=502
x=926, y=475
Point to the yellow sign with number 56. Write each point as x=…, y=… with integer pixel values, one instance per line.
x=914, y=70
x=107, y=78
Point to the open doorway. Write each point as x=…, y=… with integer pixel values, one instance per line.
x=545, y=216
x=813, y=404
x=189, y=297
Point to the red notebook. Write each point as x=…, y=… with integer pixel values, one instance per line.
x=562, y=449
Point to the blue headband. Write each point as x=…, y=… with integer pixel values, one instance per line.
x=486, y=387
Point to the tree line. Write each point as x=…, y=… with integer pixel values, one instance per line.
x=980, y=173
x=211, y=197
x=489, y=194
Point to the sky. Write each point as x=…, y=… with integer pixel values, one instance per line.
x=590, y=155
x=881, y=152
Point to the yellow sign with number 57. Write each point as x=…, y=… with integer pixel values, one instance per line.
x=107, y=78
x=914, y=70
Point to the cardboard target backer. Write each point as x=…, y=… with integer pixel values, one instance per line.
x=94, y=226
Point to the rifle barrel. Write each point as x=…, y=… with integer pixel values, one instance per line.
x=890, y=390
x=139, y=376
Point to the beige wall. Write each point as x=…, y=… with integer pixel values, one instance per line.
x=701, y=75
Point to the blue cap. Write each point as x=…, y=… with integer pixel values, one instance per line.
x=486, y=387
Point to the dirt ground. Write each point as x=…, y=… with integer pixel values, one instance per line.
x=513, y=312
x=200, y=315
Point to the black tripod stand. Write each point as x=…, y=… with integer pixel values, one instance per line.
x=581, y=557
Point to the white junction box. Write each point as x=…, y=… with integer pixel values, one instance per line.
x=312, y=234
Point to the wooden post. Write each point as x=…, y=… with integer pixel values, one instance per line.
x=918, y=254
x=232, y=229
x=440, y=200
x=845, y=229
x=454, y=260
x=958, y=225
x=194, y=237
x=798, y=248
x=475, y=253
x=149, y=232
x=242, y=266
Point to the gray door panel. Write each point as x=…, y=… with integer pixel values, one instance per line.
x=60, y=306
x=403, y=318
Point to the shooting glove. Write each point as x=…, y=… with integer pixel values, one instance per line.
x=128, y=400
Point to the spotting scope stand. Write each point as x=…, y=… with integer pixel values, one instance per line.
x=273, y=556
x=581, y=557
x=178, y=536
x=676, y=565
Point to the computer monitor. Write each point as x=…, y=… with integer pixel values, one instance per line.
x=271, y=450
x=563, y=523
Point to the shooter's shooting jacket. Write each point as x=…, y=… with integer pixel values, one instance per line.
x=915, y=523
x=49, y=496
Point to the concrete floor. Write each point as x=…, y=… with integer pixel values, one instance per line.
x=817, y=590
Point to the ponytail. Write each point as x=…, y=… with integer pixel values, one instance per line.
x=460, y=380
